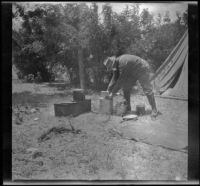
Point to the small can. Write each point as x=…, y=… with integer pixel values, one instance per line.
x=140, y=109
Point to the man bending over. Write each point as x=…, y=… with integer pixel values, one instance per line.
x=127, y=69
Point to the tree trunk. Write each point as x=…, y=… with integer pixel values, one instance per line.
x=81, y=68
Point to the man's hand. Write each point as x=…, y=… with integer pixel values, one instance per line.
x=111, y=95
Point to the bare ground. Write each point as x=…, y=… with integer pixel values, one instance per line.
x=46, y=147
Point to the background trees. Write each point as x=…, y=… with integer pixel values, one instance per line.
x=75, y=37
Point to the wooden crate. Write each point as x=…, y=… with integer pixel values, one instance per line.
x=72, y=108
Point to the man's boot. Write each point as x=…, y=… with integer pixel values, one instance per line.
x=152, y=102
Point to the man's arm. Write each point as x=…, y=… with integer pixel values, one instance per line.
x=117, y=85
x=113, y=80
x=122, y=80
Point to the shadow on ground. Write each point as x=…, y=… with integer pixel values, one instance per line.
x=27, y=97
x=147, y=112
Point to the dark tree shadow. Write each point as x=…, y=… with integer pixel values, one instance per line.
x=27, y=97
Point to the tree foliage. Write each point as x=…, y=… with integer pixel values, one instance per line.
x=75, y=36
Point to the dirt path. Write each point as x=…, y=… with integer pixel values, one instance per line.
x=96, y=151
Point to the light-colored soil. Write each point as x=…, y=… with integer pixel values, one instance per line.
x=97, y=151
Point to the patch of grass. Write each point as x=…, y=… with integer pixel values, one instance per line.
x=100, y=152
x=121, y=170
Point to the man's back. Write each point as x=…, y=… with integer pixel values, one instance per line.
x=131, y=68
x=132, y=64
x=128, y=58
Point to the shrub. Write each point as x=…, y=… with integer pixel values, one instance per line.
x=29, y=78
x=38, y=78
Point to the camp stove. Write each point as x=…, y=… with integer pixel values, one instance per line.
x=76, y=107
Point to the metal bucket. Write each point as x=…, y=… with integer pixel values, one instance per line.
x=120, y=108
x=106, y=105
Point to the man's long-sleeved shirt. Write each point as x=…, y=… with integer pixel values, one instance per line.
x=127, y=69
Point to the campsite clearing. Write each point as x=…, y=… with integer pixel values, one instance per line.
x=48, y=148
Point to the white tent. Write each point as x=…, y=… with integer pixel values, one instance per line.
x=171, y=79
